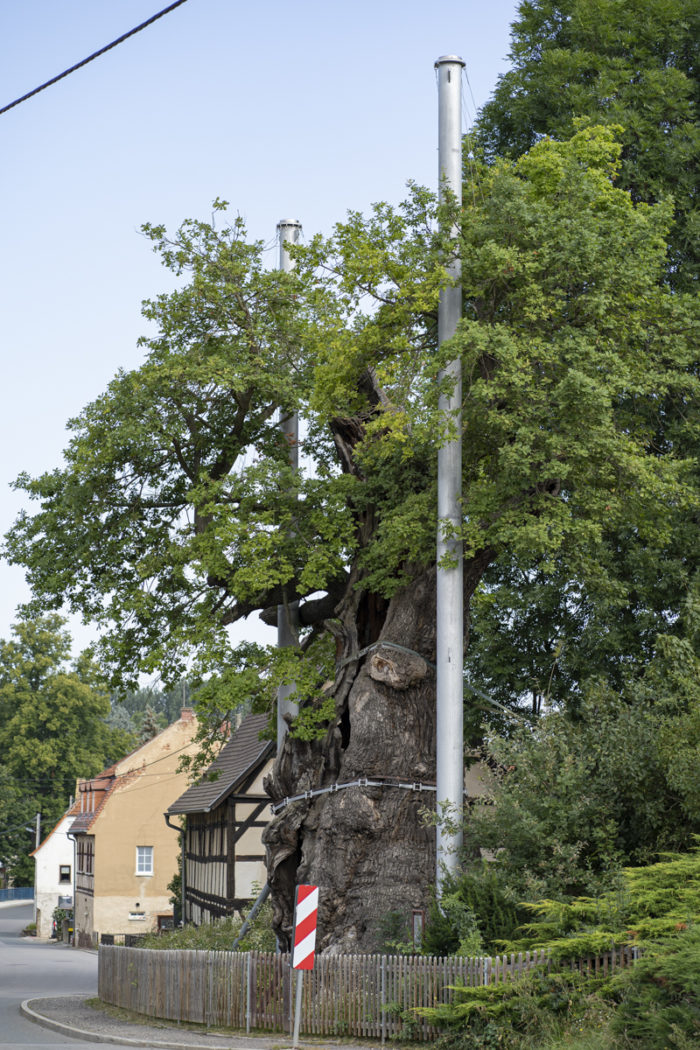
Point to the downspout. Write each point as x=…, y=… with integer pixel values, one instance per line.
x=74, y=887
x=181, y=831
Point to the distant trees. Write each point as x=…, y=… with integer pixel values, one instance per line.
x=52, y=730
x=131, y=708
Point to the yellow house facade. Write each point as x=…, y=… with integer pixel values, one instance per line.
x=125, y=854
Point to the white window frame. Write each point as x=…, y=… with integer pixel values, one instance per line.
x=144, y=861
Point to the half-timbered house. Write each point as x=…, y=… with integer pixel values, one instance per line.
x=224, y=859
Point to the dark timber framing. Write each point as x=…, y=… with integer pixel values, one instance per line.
x=221, y=814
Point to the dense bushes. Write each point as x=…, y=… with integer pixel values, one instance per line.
x=654, y=1005
x=476, y=914
x=220, y=936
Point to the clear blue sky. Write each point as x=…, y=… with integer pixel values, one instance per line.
x=296, y=110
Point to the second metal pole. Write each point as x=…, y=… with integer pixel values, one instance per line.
x=450, y=595
x=289, y=231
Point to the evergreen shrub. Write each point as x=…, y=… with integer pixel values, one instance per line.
x=660, y=996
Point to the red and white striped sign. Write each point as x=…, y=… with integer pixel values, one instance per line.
x=305, y=914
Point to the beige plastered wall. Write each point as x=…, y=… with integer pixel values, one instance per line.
x=478, y=780
x=84, y=913
x=133, y=816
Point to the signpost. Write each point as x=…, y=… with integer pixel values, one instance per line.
x=304, y=944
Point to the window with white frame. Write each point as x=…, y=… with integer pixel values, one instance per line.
x=144, y=860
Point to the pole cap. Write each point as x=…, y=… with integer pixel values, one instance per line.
x=284, y=223
x=451, y=60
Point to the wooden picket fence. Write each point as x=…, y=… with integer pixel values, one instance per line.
x=367, y=996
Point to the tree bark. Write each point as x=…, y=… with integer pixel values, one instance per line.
x=369, y=849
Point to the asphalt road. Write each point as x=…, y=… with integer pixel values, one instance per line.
x=30, y=969
x=58, y=979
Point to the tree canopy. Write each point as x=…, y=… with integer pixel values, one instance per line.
x=627, y=62
x=177, y=513
x=540, y=631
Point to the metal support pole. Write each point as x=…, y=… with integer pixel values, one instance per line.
x=450, y=612
x=289, y=231
x=262, y=897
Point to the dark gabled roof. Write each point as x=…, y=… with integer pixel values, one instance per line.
x=237, y=760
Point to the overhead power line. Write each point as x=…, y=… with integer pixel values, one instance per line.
x=91, y=58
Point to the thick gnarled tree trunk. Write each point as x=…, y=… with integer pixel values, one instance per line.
x=369, y=849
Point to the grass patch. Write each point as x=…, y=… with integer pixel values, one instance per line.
x=273, y=1040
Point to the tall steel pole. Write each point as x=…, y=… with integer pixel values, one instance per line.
x=289, y=232
x=450, y=612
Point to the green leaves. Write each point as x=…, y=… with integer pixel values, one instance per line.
x=177, y=512
x=52, y=727
x=651, y=902
x=631, y=65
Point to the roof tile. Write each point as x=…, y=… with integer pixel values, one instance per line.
x=236, y=760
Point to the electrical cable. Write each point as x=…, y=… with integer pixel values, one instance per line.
x=134, y=770
x=93, y=56
x=386, y=645
x=362, y=782
x=511, y=712
x=466, y=78
x=4, y=832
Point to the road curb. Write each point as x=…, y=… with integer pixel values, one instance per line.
x=99, y=1037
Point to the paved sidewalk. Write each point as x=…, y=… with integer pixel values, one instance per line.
x=71, y=1015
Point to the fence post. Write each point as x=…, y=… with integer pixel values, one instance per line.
x=383, y=997
x=210, y=963
x=247, y=994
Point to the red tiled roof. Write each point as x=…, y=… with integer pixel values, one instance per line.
x=104, y=783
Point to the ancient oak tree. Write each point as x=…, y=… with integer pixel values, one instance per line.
x=176, y=512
